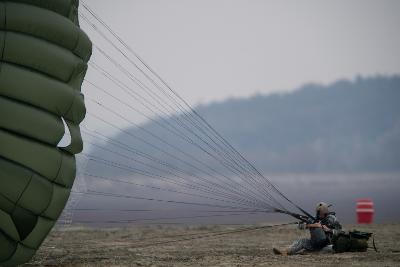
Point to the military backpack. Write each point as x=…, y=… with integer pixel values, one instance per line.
x=352, y=241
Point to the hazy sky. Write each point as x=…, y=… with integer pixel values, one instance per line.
x=214, y=49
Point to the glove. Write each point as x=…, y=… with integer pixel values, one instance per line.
x=301, y=226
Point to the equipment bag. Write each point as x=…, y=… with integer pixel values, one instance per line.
x=352, y=241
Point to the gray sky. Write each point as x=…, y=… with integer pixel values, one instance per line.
x=213, y=49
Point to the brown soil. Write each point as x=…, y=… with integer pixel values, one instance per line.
x=120, y=247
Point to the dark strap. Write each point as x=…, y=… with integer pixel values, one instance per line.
x=373, y=244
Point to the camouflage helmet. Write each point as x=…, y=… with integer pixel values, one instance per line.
x=322, y=208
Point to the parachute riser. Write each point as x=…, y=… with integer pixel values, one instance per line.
x=303, y=218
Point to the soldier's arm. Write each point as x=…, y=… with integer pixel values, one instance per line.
x=332, y=225
x=313, y=225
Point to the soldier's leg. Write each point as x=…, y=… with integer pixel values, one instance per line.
x=299, y=245
x=327, y=249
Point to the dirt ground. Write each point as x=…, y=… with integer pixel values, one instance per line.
x=122, y=247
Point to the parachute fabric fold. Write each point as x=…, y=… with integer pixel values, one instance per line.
x=43, y=61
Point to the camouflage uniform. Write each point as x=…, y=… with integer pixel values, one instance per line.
x=319, y=239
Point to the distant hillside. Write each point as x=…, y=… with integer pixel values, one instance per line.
x=344, y=127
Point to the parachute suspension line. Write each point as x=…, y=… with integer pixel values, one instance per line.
x=147, y=90
x=160, y=177
x=147, y=156
x=200, y=187
x=225, y=153
x=155, y=210
x=167, y=86
x=269, y=184
x=168, y=154
x=242, y=203
x=191, y=141
x=177, y=133
x=213, y=234
x=113, y=164
x=160, y=139
x=119, y=165
x=167, y=190
x=136, y=81
x=170, y=180
x=113, y=195
x=124, y=70
x=129, y=169
x=158, y=161
x=164, y=218
x=180, y=134
x=193, y=234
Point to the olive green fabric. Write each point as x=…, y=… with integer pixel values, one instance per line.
x=352, y=241
x=43, y=60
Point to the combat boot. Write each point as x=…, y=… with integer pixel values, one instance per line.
x=278, y=251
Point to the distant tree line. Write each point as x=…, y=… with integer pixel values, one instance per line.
x=348, y=126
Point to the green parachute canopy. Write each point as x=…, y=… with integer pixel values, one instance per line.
x=44, y=57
